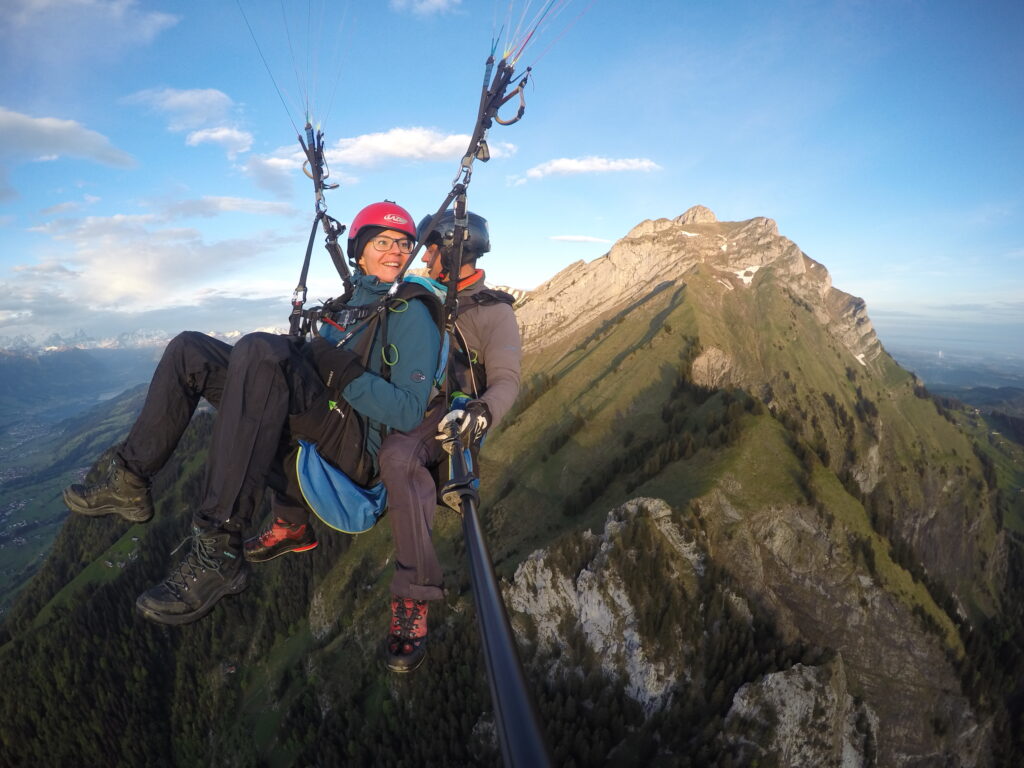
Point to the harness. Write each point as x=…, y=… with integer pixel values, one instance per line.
x=463, y=359
x=364, y=325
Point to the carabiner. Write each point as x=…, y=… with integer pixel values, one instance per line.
x=519, y=112
x=522, y=101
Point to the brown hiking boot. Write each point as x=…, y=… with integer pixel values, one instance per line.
x=120, y=492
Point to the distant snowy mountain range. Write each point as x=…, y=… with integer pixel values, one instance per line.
x=138, y=339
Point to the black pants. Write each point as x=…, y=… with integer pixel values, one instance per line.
x=265, y=391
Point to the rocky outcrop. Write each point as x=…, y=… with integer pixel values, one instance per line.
x=803, y=716
x=888, y=696
x=594, y=596
x=712, y=368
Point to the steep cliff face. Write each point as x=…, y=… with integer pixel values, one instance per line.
x=597, y=596
x=802, y=716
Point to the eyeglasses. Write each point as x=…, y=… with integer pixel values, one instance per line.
x=384, y=243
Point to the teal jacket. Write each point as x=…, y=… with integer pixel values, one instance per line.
x=416, y=343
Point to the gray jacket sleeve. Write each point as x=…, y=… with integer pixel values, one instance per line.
x=492, y=332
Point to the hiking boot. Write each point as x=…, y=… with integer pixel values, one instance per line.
x=214, y=567
x=279, y=539
x=407, y=643
x=120, y=492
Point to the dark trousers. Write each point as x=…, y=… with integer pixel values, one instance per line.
x=262, y=388
x=406, y=462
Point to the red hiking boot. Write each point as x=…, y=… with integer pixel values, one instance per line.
x=407, y=641
x=280, y=538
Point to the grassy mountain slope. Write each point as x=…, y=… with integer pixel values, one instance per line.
x=38, y=467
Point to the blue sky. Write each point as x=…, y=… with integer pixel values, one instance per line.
x=148, y=173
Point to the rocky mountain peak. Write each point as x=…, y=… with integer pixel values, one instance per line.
x=727, y=256
x=698, y=214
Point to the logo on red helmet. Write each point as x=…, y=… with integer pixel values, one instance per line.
x=395, y=218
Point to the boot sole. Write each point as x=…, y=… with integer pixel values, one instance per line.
x=402, y=670
x=233, y=587
x=131, y=514
x=266, y=559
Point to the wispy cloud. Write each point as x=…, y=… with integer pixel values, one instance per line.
x=208, y=207
x=578, y=239
x=56, y=35
x=69, y=206
x=275, y=172
x=233, y=140
x=205, y=113
x=46, y=269
x=30, y=138
x=572, y=166
x=26, y=307
x=425, y=7
x=137, y=262
x=26, y=139
x=415, y=143
x=185, y=110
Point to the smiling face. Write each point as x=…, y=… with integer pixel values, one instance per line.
x=384, y=265
x=432, y=258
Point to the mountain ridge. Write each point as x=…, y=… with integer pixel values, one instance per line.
x=735, y=252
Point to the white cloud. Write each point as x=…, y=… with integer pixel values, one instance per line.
x=46, y=269
x=57, y=35
x=186, y=110
x=7, y=192
x=578, y=239
x=413, y=143
x=32, y=139
x=425, y=7
x=69, y=205
x=568, y=166
x=203, y=112
x=232, y=139
x=29, y=138
x=65, y=207
x=275, y=172
x=136, y=263
x=208, y=207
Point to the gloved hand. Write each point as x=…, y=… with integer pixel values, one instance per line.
x=337, y=367
x=472, y=421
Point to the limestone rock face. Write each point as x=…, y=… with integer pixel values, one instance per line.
x=697, y=215
x=712, y=368
x=803, y=716
x=597, y=599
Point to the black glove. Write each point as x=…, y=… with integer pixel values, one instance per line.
x=337, y=367
x=472, y=421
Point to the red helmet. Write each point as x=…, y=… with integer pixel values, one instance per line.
x=386, y=215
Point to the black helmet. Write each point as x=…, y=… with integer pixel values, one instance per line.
x=478, y=242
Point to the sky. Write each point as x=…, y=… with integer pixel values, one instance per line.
x=150, y=177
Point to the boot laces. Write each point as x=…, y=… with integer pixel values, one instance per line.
x=201, y=557
x=409, y=619
x=278, y=531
